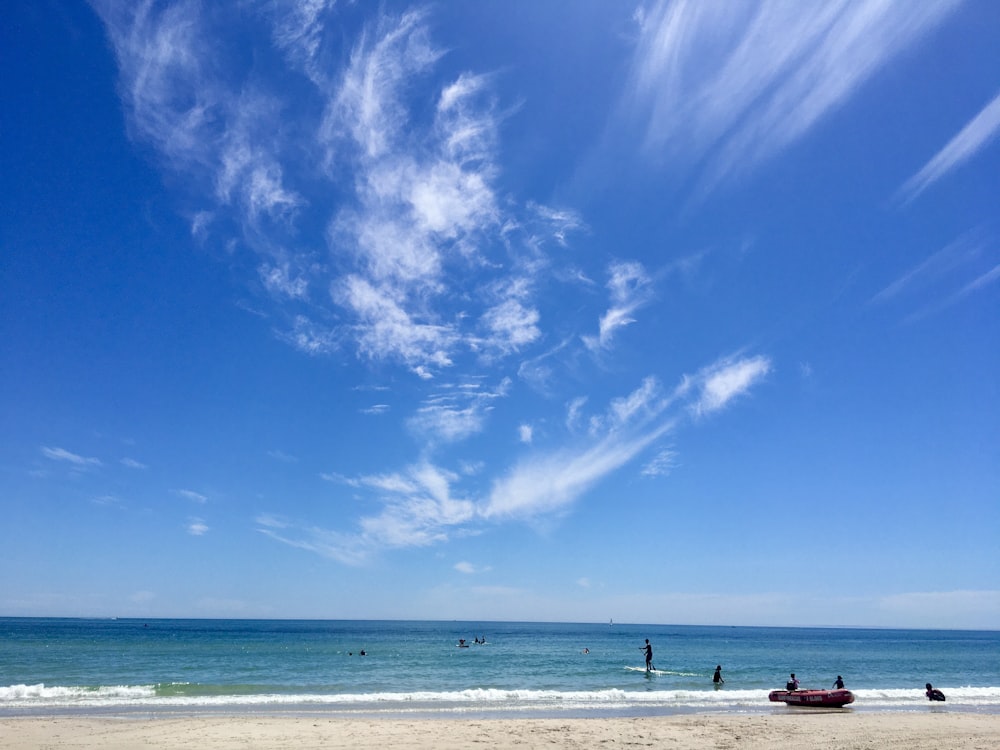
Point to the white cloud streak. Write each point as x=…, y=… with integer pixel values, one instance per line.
x=730, y=85
x=61, y=454
x=468, y=568
x=975, y=136
x=195, y=497
x=933, y=281
x=551, y=483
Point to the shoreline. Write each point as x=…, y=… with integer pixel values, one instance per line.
x=466, y=713
x=843, y=730
x=482, y=703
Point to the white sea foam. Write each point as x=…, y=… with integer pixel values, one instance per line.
x=41, y=696
x=58, y=695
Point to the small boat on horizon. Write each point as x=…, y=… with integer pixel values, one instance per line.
x=815, y=698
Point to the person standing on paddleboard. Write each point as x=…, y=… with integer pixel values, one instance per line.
x=649, y=655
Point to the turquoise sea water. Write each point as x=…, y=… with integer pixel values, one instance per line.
x=159, y=666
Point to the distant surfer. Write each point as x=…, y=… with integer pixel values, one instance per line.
x=717, y=677
x=649, y=655
x=933, y=694
x=839, y=683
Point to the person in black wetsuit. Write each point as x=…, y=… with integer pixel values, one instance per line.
x=649, y=655
x=717, y=677
x=933, y=694
x=839, y=683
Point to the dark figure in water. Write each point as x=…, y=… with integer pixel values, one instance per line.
x=933, y=694
x=839, y=683
x=649, y=655
x=717, y=677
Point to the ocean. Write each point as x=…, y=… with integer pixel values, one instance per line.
x=153, y=667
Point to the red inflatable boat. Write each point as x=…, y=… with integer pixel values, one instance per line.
x=819, y=698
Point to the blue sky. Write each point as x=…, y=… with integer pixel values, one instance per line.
x=663, y=312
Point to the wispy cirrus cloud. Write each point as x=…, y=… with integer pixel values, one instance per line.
x=661, y=464
x=74, y=459
x=717, y=385
x=348, y=549
x=946, y=277
x=360, y=183
x=427, y=504
x=975, y=136
x=551, y=483
x=423, y=504
x=108, y=501
x=469, y=569
x=195, y=497
x=731, y=85
x=983, y=281
x=408, y=156
x=629, y=287
x=418, y=508
x=456, y=412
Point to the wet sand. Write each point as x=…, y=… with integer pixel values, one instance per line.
x=913, y=730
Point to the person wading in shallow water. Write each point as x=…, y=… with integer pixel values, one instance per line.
x=717, y=677
x=933, y=694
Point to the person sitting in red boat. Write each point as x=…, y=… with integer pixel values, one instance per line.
x=793, y=683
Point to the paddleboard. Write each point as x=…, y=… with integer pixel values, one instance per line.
x=648, y=671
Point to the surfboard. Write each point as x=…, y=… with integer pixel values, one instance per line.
x=648, y=671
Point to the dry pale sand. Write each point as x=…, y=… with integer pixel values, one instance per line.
x=800, y=730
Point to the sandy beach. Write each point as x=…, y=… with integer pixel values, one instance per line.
x=937, y=730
